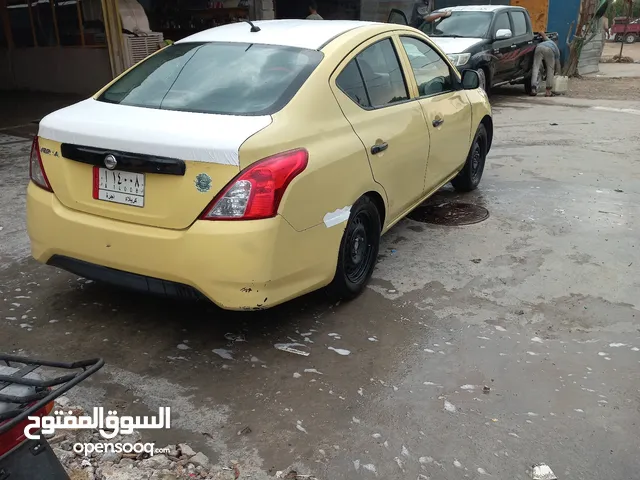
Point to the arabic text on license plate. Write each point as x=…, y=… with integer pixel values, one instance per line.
x=117, y=186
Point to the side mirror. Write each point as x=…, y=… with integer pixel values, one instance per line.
x=470, y=80
x=503, y=34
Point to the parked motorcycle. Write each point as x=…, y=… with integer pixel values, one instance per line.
x=24, y=392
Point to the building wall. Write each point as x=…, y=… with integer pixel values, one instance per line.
x=59, y=70
x=538, y=11
x=378, y=10
x=562, y=13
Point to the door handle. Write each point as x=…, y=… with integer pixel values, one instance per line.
x=437, y=122
x=514, y=46
x=379, y=147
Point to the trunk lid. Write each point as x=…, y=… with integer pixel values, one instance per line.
x=167, y=165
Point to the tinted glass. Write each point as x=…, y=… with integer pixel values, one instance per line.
x=502, y=22
x=460, y=24
x=519, y=23
x=382, y=74
x=431, y=71
x=350, y=82
x=225, y=78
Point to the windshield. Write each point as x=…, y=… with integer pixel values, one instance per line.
x=460, y=24
x=223, y=78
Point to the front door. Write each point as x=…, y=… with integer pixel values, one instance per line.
x=447, y=111
x=373, y=94
x=504, y=49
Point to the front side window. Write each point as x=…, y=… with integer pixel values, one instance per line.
x=502, y=23
x=223, y=78
x=460, y=25
x=431, y=71
x=382, y=74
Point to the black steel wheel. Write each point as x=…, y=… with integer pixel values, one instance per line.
x=471, y=174
x=358, y=250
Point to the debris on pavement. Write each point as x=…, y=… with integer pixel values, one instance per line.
x=542, y=471
x=232, y=337
x=476, y=260
x=244, y=431
x=449, y=407
x=288, y=347
x=340, y=351
x=486, y=389
x=176, y=463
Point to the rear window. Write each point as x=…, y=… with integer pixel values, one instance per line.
x=223, y=78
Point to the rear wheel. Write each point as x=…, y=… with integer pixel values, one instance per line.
x=358, y=250
x=630, y=38
x=471, y=174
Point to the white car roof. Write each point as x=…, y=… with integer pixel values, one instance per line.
x=474, y=8
x=310, y=34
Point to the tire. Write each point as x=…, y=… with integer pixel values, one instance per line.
x=482, y=75
x=528, y=87
x=528, y=82
x=630, y=38
x=358, y=252
x=471, y=174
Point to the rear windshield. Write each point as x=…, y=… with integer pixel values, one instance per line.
x=223, y=78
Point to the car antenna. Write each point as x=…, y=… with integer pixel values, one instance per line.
x=253, y=27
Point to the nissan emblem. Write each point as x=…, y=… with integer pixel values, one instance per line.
x=110, y=162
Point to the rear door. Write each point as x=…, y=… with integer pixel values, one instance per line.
x=503, y=49
x=447, y=111
x=373, y=94
x=523, y=39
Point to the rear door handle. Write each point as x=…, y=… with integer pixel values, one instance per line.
x=379, y=147
x=437, y=122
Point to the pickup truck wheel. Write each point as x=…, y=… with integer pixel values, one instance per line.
x=471, y=174
x=482, y=76
x=630, y=38
x=358, y=252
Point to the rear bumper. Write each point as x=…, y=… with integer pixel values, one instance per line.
x=238, y=265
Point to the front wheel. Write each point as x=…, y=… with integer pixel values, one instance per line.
x=630, y=38
x=358, y=250
x=471, y=174
x=482, y=77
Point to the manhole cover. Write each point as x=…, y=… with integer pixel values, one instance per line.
x=450, y=214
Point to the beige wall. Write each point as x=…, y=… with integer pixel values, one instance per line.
x=61, y=70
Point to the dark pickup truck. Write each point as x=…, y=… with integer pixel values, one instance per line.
x=495, y=40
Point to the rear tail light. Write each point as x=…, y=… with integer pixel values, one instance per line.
x=14, y=437
x=36, y=169
x=256, y=192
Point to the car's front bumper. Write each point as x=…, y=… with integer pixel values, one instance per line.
x=239, y=265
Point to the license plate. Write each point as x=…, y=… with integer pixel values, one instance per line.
x=116, y=186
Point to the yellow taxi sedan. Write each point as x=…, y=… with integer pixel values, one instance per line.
x=251, y=164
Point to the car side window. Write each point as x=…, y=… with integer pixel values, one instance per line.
x=431, y=71
x=502, y=22
x=351, y=83
x=382, y=74
x=519, y=23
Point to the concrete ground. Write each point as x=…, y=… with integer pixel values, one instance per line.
x=539, y=303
